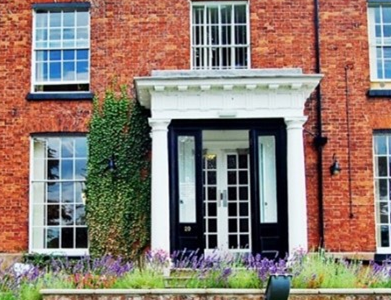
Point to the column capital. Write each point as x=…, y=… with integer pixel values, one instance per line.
x=159, y=124
x=295, y=122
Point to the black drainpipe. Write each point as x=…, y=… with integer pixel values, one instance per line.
x=319, y=140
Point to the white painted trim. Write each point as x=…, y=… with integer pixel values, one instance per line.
x=297, y=202
x=60, y=82
x=30, y=231
x=372, y=44
x=270, y=93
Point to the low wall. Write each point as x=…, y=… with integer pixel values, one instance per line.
x=214, y=294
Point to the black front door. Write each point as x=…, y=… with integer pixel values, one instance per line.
x=228, y=186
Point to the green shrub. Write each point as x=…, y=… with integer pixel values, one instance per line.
x=118, y=201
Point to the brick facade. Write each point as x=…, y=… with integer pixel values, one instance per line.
x=132, y=38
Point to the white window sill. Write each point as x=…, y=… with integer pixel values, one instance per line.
x=60, y=252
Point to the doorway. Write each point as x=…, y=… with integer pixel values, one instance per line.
x=228, y=188
x=226, y=191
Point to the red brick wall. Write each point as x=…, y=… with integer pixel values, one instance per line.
x=132, y=38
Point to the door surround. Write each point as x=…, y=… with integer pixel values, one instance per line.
x=228, y=94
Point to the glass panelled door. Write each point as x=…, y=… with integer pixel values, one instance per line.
x=226, y=194
x=227, y=200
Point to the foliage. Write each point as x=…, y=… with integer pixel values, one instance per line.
x=315, y=270
x=118, y=208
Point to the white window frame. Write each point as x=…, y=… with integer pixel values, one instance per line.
x=372, y=41
x=51, y=251
x=60, y=82
x=377, y=201
x=233, y=46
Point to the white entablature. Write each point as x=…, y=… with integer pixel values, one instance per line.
x=263, y=93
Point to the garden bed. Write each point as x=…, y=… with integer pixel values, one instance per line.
x=212, y=294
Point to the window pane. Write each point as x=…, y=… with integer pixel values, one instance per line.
x=212, y=15
x=41, y=20
x=382, y=189
x=53, y=169
x=214, y=35
x=67, y=238
x=226, y=14
x=69, y=19
x=53, y=192
x=381, y=166
x=240, y=35
x=82, y=33
x=54, y=55
x=55, y=34
x=380, y=69
x=377, y=14
x=82, y=18
x=81, y=147
x=387, y=33
x=81, y=169
x=41, y=71
x=69, y=54
x=386, y=14
x=41, y=56
x=69, y=71
x=67, y=147
x=68, y=34
x=383, y=212
x=55, y=19
x=81, y=238
x=187, y=178
x=67, y=214
x=52, y=238
x=240, y=14
x=82, y=70
x=38, y=215
x=39, y=193
x=198, y=15
x=80, y=215
x=267, y=179
x=67, y=195
x=82, y=54
x=380, y=144
x=55, y=71
x=226, y=35
x=41, y=35
x=387, y=69
x=384, y=236
x=53, y=215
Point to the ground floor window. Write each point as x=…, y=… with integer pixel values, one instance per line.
x=57, y=206
x=382, y=172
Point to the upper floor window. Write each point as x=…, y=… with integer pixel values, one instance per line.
x=220, y=35
x=380, y=41
x=61, y=48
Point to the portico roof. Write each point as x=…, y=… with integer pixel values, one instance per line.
x=225, y=80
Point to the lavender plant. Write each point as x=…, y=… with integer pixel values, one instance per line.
x=190, y=270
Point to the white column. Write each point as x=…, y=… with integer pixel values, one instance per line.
x=297, y=203
x=160, y=204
